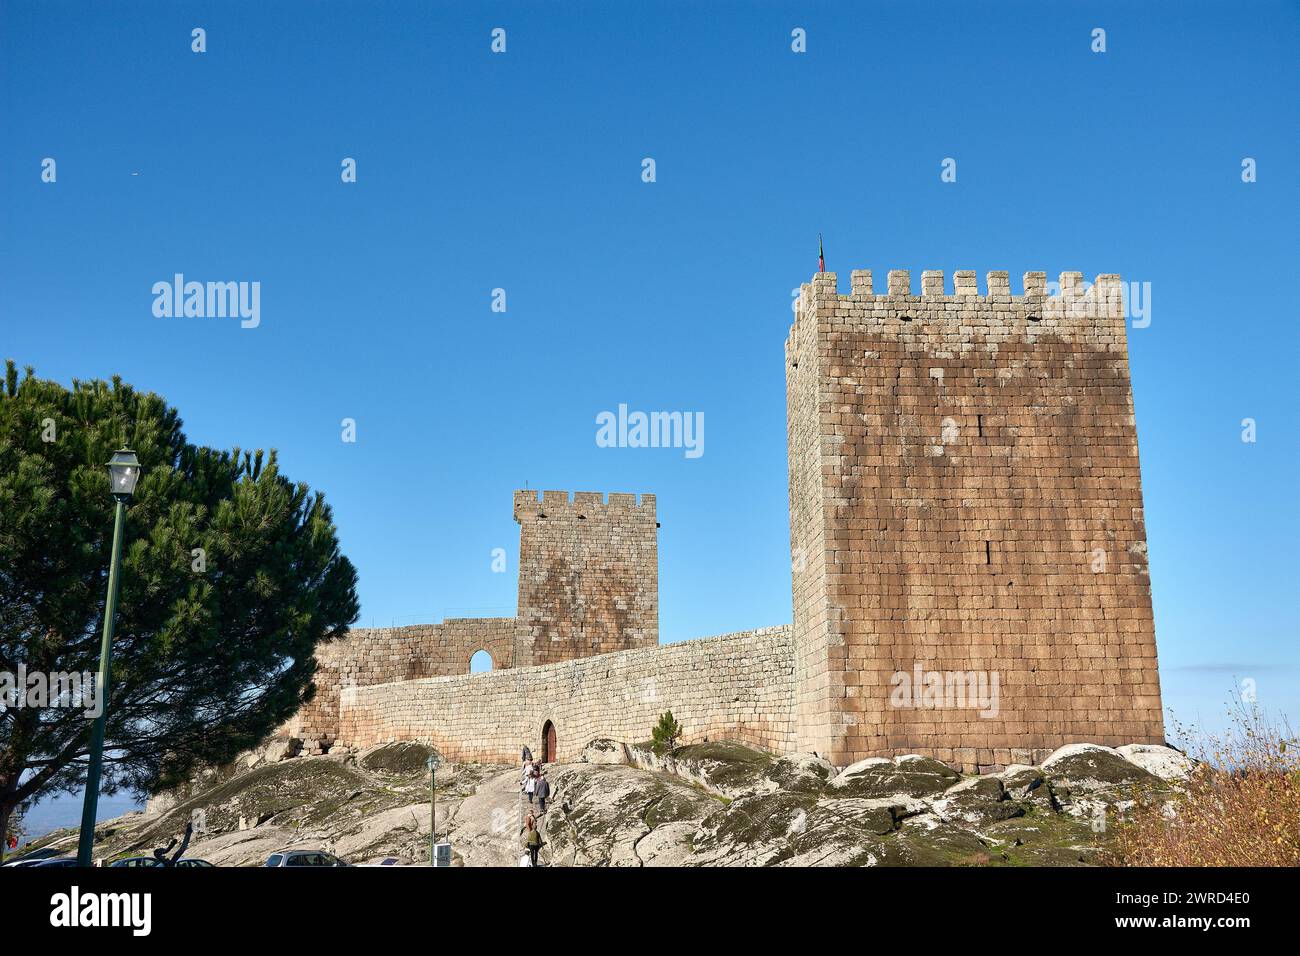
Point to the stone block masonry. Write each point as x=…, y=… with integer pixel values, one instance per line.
x=732, y=687
x=965, y=496
x=381, y=655
x=588, y=574
x=588, y=584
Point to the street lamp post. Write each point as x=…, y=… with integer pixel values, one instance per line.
x=432, y=764
x=123, y=473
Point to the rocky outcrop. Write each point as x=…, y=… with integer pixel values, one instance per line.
x=1088, y=768
x=725, y=805
x=359, y=807
x=1164, y=762
x=910, y=776
x=604, y=751
x=282, y=748
x=399, y=759
x=603, y=816
x=714, y=804
x=733, y=770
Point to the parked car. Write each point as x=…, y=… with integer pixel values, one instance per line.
x=58, y=861
x=34, y=857
x=149, y=861
x=303, y=858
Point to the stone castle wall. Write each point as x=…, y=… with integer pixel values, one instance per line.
x=735, y=687
x=588, y=584
x=965, y=498
x=969, y=562
x=588, y=574
x=383, y=655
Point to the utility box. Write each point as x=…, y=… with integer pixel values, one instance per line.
x=442, y=854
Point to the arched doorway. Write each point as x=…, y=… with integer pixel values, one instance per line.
x=548, y=742
x=480, y=663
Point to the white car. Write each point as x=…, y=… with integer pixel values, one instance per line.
x=303, y=858
x=34, y=857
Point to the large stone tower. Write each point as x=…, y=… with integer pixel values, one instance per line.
x=588, y=575
x=966, y=506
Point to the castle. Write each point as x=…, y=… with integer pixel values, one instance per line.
x=965, y=507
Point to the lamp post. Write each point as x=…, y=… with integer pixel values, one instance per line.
x=123, y=473
x=432, y=764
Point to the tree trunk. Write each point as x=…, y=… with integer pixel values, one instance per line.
x=9, y=802
x=4, y=828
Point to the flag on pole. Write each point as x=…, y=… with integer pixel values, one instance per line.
x=821, y=255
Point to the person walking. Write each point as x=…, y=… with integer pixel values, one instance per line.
x=543, y=790
x=532, y=839
x=528, y=772
x=530, y=785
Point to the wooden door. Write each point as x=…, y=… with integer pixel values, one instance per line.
x=548, y=743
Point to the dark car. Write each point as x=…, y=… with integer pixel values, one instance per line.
x=149, y=861
x=58, y=861
x=303, y=858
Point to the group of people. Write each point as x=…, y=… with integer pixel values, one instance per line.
x=533, y=782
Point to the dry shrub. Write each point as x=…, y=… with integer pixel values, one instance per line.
x=1241, y=807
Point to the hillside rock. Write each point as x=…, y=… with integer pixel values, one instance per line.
x=359, y=809
x=602, y=750
x=283, y=748
x=1088, y=768
x=602, y=814
x=727, y=769
x=486, y=826
x=977, y=802
x=1028, y=784
x=402, y=759
x=710, y=804
x=733, y=770
x=910, y=776
x=1164, y=762
x=801, y=773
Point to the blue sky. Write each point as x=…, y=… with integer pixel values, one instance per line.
x=522, y=171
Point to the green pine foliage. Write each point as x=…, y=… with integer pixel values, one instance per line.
x=666, y=733
x=213, y=648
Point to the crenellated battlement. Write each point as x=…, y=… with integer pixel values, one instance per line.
x=1067, y=298
x=582, y=504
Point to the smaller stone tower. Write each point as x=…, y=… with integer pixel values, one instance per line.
x=588, y=575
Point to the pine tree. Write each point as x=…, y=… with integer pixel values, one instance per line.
x=231, y=575
x=666, y=733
